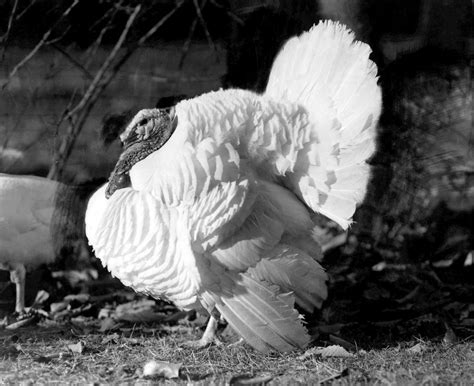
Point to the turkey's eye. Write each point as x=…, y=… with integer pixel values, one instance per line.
x=143, y=122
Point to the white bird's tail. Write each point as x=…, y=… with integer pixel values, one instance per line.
x=330, y=74
x=263, y=316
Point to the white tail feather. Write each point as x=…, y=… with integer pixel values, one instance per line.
x=330, y=74
x=265, y=318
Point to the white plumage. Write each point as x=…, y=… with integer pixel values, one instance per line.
x=26, y=211
x=219, y=218
x=38, y=218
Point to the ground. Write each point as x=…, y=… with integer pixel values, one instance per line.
x=68, y=353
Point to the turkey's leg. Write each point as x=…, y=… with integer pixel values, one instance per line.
x=17, y=276
x=210, y=332
x=208, y=337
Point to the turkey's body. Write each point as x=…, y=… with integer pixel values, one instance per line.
x=26, y=211
x=40, y=219
x=27, y=206
x=219, y=218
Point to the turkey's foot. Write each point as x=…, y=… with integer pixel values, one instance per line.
x=202, y=343
x=209, y=337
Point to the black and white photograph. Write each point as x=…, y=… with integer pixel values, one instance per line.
x=236, y=192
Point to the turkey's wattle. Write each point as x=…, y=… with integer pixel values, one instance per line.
x=218, y=216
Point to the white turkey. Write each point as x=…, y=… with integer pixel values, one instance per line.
x=210, y=203
x=38, y=218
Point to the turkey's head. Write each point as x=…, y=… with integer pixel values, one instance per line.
x=148, y=131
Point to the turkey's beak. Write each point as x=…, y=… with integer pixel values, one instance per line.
x=147, y=133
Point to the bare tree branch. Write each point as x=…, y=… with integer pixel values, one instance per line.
x=187, y=43
x=4, y=38
x=132, y=48
x=41, y=43
x=158, y=25
x=204, y=25
x=77, y=120
x=105, y=66
x=86, y=103
x=231, y=14
x=72, y=60
x=91, y=51
x=20, y=15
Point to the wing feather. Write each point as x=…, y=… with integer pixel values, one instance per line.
x=140, y=241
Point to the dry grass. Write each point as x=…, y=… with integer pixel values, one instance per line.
x=40, y=355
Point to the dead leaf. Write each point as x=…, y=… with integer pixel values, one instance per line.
x=110, y=338
x=139, y=311
x=382, y=266
x=105, y=313
x=246, y=379
x=81, y=298
x=449, y=337
x=76, y=347
x=469, y=259
x=23, y=322
x=133, y=341
x=334, y=351
x=379, y=266
x=417, y=348
x=108, y=324
x=41, y=297
x=75, y=277
x=4, y=320
x=58, y=307
x=161, y=369
x=443, y=263
x=329, y=351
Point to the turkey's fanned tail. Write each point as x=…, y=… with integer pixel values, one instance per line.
x=263, y=315
x=331, y=75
